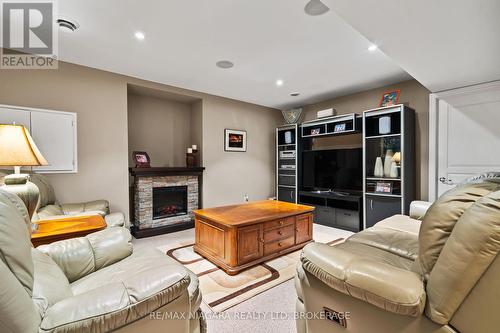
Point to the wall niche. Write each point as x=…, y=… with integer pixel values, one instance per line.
x=163, y=124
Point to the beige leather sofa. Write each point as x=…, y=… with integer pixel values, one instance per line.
x=48, y=208
x=89, y=284
x=440, y=274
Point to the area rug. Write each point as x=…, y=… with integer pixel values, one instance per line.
x=221, y=291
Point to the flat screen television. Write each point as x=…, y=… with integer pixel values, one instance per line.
x=333, y=169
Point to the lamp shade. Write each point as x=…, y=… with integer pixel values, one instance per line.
x=17, y=148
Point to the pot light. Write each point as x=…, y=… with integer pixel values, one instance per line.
x=67, y=25
x=224, y=64
x=279, y=82
x=139, y=35
x=372, y=48
x=316, y=8
x=294, y=94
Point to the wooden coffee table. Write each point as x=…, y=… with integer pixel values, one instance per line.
x=240, y=236
x=48, y=231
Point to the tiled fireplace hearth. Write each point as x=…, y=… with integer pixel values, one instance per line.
x=164, y=199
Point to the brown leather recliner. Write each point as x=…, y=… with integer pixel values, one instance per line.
x=440, y=275
x=95, y=283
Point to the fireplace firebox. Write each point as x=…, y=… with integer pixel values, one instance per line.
x=169, y=201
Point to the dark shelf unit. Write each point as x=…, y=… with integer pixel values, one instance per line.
x=338, y=210
x=398, y=137
x=343, y=211
x=287, y=163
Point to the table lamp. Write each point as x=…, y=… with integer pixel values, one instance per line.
x=17, y=149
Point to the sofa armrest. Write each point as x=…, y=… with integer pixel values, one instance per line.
x=113, y=305
x=99, y=206
x=78, y=257
x=387, y=287
x=418, y=209
x=115, y=219
x=93, y=309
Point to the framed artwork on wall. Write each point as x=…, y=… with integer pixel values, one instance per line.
x=235, y=140
x=390, y=98
x=141, y=159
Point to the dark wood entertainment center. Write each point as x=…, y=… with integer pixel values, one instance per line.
x=352, y=210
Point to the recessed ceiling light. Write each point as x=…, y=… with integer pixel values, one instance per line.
x=225, y=64
x=316, y=8
x=139, y=35
x=67, y=25
x=372, y=48
x=294, y=94
x=279, y=82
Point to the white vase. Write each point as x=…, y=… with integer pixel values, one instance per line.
x=378, y=170
x=394, y=170
x=388, y=163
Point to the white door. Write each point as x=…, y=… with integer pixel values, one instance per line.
x=17, y=116
x=55, y=136
x=467, y=135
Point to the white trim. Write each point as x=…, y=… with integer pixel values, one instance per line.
x=433, y=148
x=75, y=134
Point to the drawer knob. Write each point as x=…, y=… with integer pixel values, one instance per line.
x=281, y=222
x=279, y=244
x=280, y=233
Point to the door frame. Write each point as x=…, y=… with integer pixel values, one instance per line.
x=455, y=97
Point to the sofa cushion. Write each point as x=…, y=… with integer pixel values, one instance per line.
x=50, y=285
x=15, y=241
x=48, y=211
x=47, y=195
x=366, y=279
x=376, y=254
x=469, y=251
x=401, y=243
x=440, y=219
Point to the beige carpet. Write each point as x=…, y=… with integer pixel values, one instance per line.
x=221, y=291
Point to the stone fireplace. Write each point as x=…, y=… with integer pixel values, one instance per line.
x=164, y=199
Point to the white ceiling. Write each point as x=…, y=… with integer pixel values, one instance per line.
x=444, y=44
x=320, y=57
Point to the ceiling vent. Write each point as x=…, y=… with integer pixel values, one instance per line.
x=67, y=24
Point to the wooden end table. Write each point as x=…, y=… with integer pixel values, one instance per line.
x=48, y=231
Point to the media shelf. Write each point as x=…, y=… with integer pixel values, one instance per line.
x=286, y=163
x=333, y=209
x=388, y=162
x=336, y=125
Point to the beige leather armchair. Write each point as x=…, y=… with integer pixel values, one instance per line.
x=49, y=208
x=440, y=274
x=89, y=284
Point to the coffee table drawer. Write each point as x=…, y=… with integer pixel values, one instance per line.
x=277, y=246
x=279, y=223
x=278, y=233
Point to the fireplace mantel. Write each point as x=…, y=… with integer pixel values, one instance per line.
x=165, y=171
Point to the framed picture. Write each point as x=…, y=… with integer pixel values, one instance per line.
x=339, y=128
x=235, y=140
x=383, y=187
x=315, y=131
x=390, y=98
x=141, y=159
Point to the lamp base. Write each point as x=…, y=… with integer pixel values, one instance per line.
x=20, y=185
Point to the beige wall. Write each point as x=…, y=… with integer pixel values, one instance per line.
x=231, y=175
x=100, y=100
x=160, y=127
x=414, y=95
